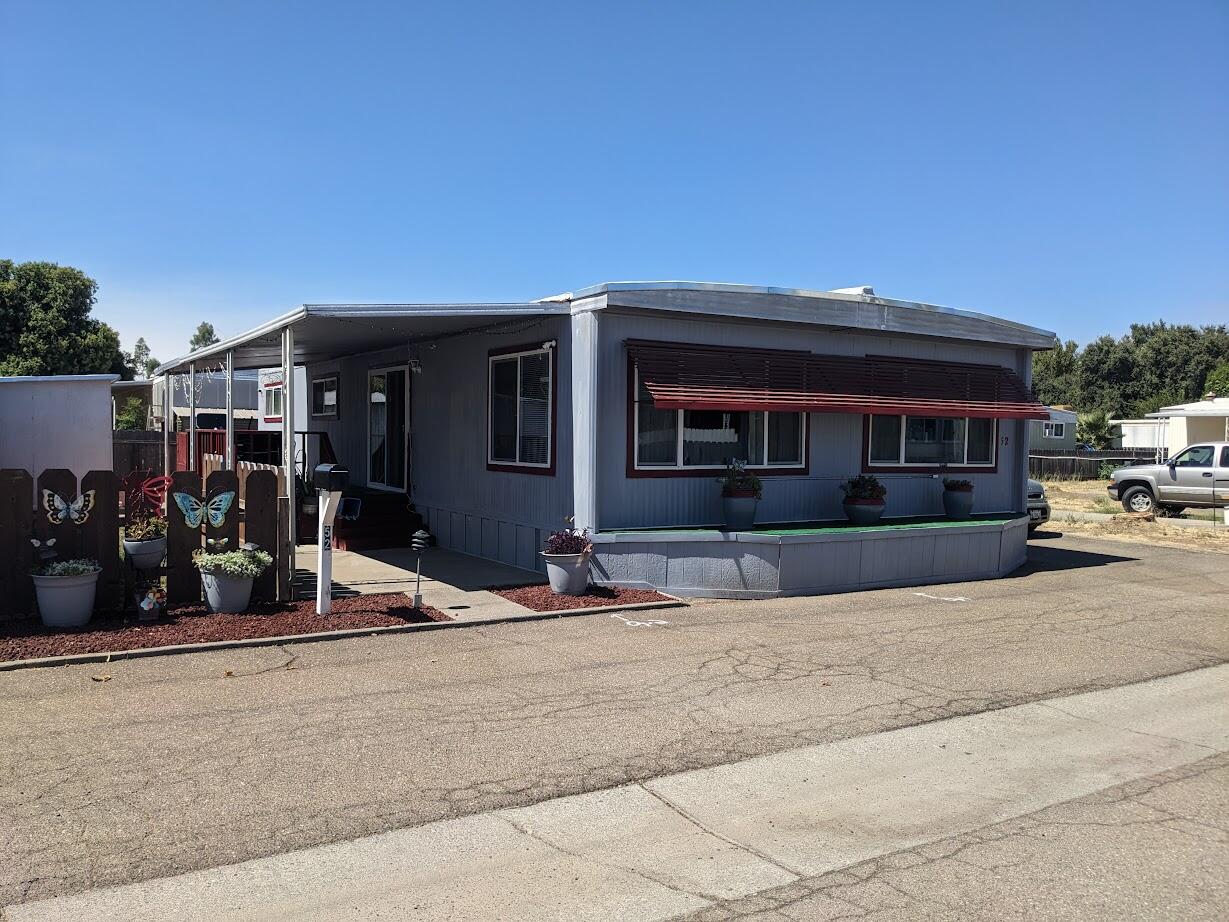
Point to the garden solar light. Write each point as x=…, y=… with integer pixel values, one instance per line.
x=420, y=542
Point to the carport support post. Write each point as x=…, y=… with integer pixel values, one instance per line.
x=584, y=418
x=192, y=416
x=288, y=454
x=167, y=417
x=230, y=409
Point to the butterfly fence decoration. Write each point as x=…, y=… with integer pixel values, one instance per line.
x=59, y=509
x=195, y=511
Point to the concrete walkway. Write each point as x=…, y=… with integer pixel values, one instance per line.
x=682, y=843
x=454, y=583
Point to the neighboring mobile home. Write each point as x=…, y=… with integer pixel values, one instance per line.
x=1057, y=432
x=619, y=405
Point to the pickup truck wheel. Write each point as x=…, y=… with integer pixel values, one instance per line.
x=1138, y=499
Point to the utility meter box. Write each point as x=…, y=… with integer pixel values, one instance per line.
x=330, y=478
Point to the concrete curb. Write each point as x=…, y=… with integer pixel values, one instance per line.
x=73, y=659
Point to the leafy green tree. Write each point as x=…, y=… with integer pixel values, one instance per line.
x=1154, y=365
x=204, y=336
x=1094, y=428
x=46, y=327
x=131, y=415
x=1056, y=374
x=141, y=360
x=1218, y=381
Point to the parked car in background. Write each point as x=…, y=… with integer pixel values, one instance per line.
x=1038, y=505
x=1196, y=477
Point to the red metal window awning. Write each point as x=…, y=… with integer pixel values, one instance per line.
x=687, y=377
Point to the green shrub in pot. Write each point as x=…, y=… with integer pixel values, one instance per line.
x=227, y=576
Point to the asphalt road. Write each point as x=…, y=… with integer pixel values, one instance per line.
x=174, y=765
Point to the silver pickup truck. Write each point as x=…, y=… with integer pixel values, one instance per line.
x=1196, y=477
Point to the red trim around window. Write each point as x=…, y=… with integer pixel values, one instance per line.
x=632, y=472
x=869, y=468
x=507, y=467
x=264, y=390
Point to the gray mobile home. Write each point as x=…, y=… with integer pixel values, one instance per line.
x=619, y=406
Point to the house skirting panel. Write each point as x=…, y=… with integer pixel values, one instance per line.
x=720, y=564
x=485, y=536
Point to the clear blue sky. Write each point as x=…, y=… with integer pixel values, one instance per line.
x=1064, y=164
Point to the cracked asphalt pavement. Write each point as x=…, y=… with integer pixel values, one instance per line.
x=190, y=762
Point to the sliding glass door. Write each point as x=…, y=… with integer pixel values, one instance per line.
x=387, y=425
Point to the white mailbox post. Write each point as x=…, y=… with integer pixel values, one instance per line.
x=329, y=480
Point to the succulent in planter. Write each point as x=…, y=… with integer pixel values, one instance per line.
x=65, y=590
x=738, y=481
x=957, y=498
x=864, y=488
x=227, y=576
x=145, y=541
x=567, y=553
x=864, y=499
x=148, y=529
x=78, y=567
x=741, y=492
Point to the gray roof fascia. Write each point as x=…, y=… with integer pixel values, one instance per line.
x=1015, y=333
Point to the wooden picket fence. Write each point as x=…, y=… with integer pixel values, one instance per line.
x=24, y=520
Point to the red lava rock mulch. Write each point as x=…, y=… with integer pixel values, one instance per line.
x=194, y=624
x=541, y=598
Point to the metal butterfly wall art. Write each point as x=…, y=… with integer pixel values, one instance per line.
x=195, y=510
x=59, y=509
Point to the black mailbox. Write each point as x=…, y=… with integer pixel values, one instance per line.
x=330, y=477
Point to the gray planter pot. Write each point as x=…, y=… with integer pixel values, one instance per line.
x=227, y=593
x=958, y=504
x=864, y=513
x=568, y=573
x=66, y=601
x=145, y=555
x=739, y=512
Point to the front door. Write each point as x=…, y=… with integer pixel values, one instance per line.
x=388, y=402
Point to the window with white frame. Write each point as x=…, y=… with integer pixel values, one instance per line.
x=681, y=439
x=521, y=386
x=324, y=397
x=931, y=441
x=1053, y=430
x=273, y=402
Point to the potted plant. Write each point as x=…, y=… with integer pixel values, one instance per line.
x=864, y=499
x=65, y=591
x=228, y=576
x=957, y=498
x=740, y=494
x=145, y=542
x=567, y=554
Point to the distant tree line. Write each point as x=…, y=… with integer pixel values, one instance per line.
x=1152, y=366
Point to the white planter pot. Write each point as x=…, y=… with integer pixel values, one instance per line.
x=145, y=555
x=568, y=573
x=66, y=601
x=227, y=593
